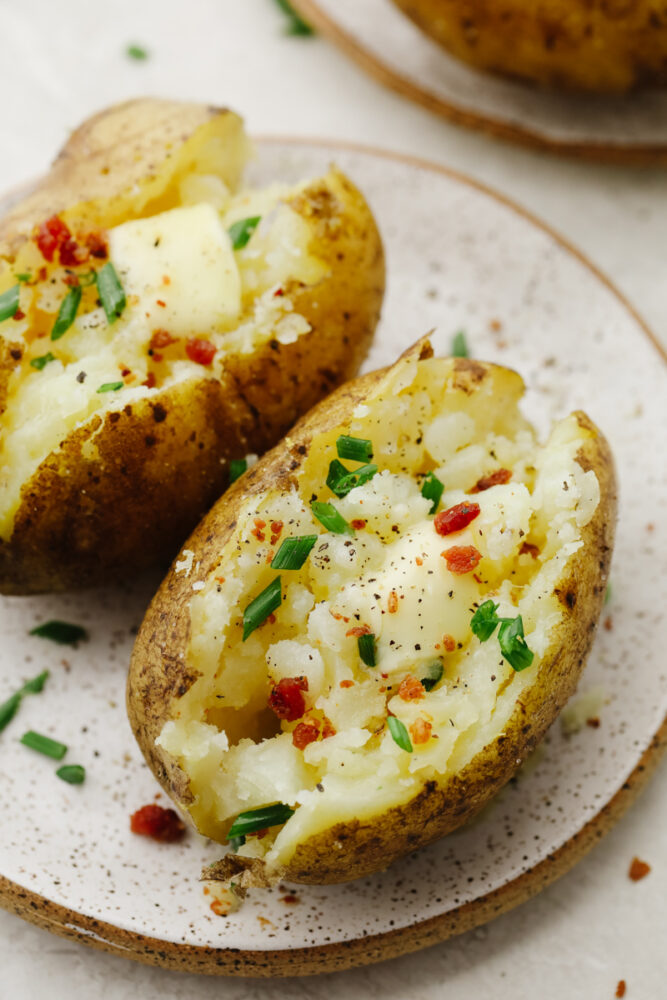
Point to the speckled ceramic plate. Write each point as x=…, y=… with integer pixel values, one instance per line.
x=458, y=257
x=385, y=43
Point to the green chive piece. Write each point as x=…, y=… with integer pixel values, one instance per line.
x=263, y=605
x=44, y=744
x=484, y=621
x=434, y=672
x=367, y=650
x=293, y=552
x=235, y=843
x=296, y=25
x=341, y=480
x=9, y=302
x=36, y=685
x=111, y=386
x=399, y=733
x=259, y=819
x=356, y=449
x=66, y=313
x=607, y=594
x=61, y=632
x=136, y=52
x=241, y=231
x=87, y=279
x=432, y=489
x=459, y=345
x=237, y=466
x=23, y=277
x=8, y=710
x=73, y=774
x=513, y=645
x=111, y=292
x=42, y=361
x=328, y=516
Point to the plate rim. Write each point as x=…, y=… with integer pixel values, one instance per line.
x=365, y=950
x=631, y=154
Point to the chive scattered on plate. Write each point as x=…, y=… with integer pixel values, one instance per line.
x=63, y=632
x=459, y=345
x=9, y=707
x=44, y=744
x=295, y=24
x=137, y=52
x=73, y=774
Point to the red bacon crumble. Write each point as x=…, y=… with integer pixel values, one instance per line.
x=305, y=733
x=638, y=870
x=620, y=988
x=392, y=603
x=358, y=524
x=97, y=245
x=161, y=824
x=276, y=529
x=497, y=478
x=455, y=518
x=410, y=689
x=449, y=642
x=346, y=684
x=358, y=630
x=51, y=235
x=286, y=699
x=461, y=559
x=420, y=731
x=327, y=729
x=150, y=381
x=72, y=254
x=528, y=549
x=161, y=339
x=201, y=352
x=18, y=315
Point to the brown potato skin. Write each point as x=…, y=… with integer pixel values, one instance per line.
x=600, y=46
x=158, y=676
x=163, y=461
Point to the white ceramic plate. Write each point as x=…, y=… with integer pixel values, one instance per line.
x=378, y=36
x=458, y=257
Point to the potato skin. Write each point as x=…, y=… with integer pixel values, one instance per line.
x=601, y=46
x=162, y=461
x=158, y=676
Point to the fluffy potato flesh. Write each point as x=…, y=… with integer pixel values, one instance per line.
x=378, y=754
x=587, y=45
x=218, y=283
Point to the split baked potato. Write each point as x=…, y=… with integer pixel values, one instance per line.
x=158, y=321
x=601, y=46
x=376, y=624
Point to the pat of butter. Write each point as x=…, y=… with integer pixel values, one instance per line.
x=180, y=266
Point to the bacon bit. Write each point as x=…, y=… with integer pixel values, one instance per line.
x=461, y=558
x=286, y=699
x=161, y=824
x=271, y=619
x=358, y=524
x=327, y=729
x=18, y=315
x=201, y=352
x=496, y=478
x=51, y=235
x=358, y=630
x=608, y=623
x=260, y=834
x=420, y=731
x=278, y=292
x=97, y=245
x=392, y=603
x=160, y=339
x=149, y=382
x=478, y=579
x=410, y=689
x=347, y=684
x=276, y=529
x=125, y=371
x=218, y=907
x=258, y=529
x=593, y=722
x=638, y=870
x=130, y=377
x=305, y=733
x=220, y=579
x=72, y=254
x=455, y=518
x=449, y=642
x=290, y=898
x=269, y=556
x=529, y=550
x=41, y=274
x=620, y=988
x=419, y=561
x=160, y=303
x=72, y=280
x=166, y=280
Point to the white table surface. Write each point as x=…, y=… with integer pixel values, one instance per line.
x=62, y=59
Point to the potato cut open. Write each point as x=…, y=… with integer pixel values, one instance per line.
x=382, y=619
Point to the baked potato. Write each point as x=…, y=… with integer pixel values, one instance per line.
x=376, y=624
x=158, y=322
x=601, y=46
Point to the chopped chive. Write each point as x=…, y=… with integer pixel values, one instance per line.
x=8, y=710
x=9, y=302
x=23, y=277
x=434, y=672
x=62, y=632
x=42, y=361
x=36, y=685
x=241, y=231
x=607, y=594
x=73, y=774
x=110, y=291
x=513, y=645
x=111, y=386
x=484, y=621
x=66, y=313
x=237, y=466
x=263, y=605
x=44, y=744
x=341, y=480
x=367, y=650
x=293, y=552
x=399, y=733
x=296, y=25
x=259, y=819
x=328, y=516
x=432, y=489
x=87, y=279
x=356, y=449
x=459, y=345
x=136, y=52
x=235, y=843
